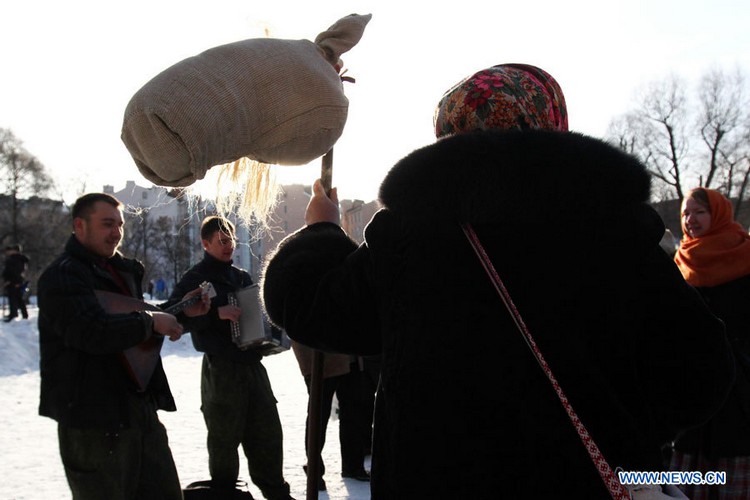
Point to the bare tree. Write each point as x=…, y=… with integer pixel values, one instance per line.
x=50, y=224
x=173, y=247
x=140, y=237
x=723, y=124
x=621, y=134
x=686, y=142
x=655, y=132
x=21, y=176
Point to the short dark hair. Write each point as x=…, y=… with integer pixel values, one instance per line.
x=11, y=248
x=84, y=206
x=214, y=224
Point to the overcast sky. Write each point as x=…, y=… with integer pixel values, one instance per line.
x=69, y=68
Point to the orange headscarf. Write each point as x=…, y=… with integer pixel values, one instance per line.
x=719, y=256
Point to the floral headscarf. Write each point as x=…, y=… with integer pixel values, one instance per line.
x=719, y=256
x=506, y=96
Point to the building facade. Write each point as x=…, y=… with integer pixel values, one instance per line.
x=144, y=205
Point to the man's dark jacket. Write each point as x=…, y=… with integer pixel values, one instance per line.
x=15, y=266
x=84, y=383
x=209, y=333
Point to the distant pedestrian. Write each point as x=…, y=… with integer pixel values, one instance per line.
x=160, y=288
x=342, y=377
x=14, y=278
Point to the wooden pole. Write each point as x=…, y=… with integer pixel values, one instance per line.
x=326, y=171
x=315, y=402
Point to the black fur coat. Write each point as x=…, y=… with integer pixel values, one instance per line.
x=463, y=409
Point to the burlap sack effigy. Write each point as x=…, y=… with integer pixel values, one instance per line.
x=271, y=100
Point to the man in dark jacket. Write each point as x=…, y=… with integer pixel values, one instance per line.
x=111, y=441
x=237, y=401
x=15, y=281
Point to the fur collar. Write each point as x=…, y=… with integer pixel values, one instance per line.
x=485, y=177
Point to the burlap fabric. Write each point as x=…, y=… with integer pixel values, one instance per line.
x=274, y=101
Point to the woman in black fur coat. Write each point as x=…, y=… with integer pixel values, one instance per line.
x=463, y=409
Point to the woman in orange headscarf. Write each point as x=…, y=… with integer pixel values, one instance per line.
x=714, y=256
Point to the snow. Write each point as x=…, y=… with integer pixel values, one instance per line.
x=30, y=465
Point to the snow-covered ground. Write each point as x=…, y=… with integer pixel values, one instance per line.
x=30, y=465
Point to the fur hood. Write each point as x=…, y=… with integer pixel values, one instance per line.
x=538, y=177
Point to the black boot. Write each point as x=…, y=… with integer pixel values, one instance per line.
x=359, y=475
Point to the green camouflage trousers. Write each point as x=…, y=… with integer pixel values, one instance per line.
x=128, y=464
x=239, y=408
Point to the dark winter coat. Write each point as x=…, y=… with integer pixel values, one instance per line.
x=84, y=383
x=464, y=410
x=15, y=267
x=209, y=333
x=728, y=432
